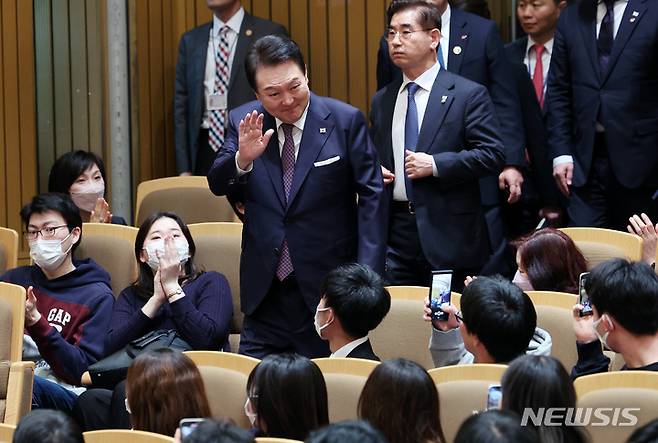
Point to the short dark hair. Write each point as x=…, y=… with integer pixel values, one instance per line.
x=627, y=291
x=347, y=431
x=282, y=414
x=400, y=399
x=272, y=50
x=56, y=202
x=501, y=315
x=219, y=431
x=68, y=167
x=358, y=298
x=495, y=426
x=429, y=16
x=47, y=426
x=646, y=434
x=534, y=381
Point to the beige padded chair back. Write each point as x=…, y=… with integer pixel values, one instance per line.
x=12, y=321
x=345, y=378
x=621, y=389
x=189, y=197
x=463, y=391
x=8, y=249
x=113, y=248
x=403, y=333
x=218, y=248
x=554, y=315
x=124, y=436
x=225, y=378
x=276, y=440
x=599, y=245
x=15, y=390
x=6, y=433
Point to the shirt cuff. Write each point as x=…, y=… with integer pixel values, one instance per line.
x=435, y=171
x=561, y=159
x=241, y=171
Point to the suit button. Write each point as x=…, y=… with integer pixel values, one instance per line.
x=276, y=251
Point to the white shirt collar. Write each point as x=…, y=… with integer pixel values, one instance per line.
x=346, y=349
x=424, y=80
x=548, y=46
x=299, y=124
x=445, y=19
x=234, y=22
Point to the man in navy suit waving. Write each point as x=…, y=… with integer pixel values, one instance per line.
x=602, y=100
x=300, y=161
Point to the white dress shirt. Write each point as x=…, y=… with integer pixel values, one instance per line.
x=619, y=8
x=530, y=59
x=425, y=81
x=445, y=35
x=346, y=349
x=234, y=24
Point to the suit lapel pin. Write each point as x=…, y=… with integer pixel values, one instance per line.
x=635, y=13
x=457, y=50
x=444, y=98
x=323, y=130
x=632, y=19
x=464, y=37
x=248, y=32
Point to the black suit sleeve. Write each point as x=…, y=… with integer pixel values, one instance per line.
x=181, y=94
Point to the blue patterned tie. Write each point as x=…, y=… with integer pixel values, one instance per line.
x=410, y=130
x=606, y=33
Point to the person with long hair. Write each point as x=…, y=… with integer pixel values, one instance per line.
x=535, y=382
x=548, y=260
x=162, y=387
x=286, y=397
x=401, y=400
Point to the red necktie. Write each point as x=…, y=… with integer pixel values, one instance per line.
x=538, y=76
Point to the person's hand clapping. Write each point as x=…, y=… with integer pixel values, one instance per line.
x=251, y=142
x=32, y=314
x=101, y=212
x=643, y=226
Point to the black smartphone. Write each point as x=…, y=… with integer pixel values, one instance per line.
x=582, y=293
x=187, y=426
x=440, y=293
x=494, y=396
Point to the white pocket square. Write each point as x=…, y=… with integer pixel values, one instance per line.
x=327, y=161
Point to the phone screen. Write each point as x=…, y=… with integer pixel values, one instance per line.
x=494, y=396
x=440, y=293
x=187, y=426
x=584, y=298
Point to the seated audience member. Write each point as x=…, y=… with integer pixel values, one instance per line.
x=170, y=293
x=643, y=226
x=497, y=323
x=162, y=387
x=354, y=302
x=645, y=434
x=286, y=397
x=534, y=382
x=548, y=260
x=401, y=400
x=69, y=302
x=216, y=431
x=495, y=427
x=81, y=174
x=348, y=431
x=624, y=299
x=46, y=426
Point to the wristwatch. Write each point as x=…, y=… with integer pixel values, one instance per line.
x=178, y=291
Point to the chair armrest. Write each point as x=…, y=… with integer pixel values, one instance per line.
x=19, y=391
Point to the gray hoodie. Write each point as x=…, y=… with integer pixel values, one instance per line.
x=447, y=348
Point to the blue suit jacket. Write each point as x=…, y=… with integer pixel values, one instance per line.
x=461, y=132
x=323, y=222
x=624, y=99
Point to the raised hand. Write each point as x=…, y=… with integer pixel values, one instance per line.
x=32, y=314
x=101, y=212
x=251, y=140
x=643, y=226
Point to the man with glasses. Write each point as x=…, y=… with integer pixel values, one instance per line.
x=437, y=135
x=496, y=324
x=68, y=304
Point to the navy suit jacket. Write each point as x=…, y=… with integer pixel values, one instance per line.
x=461, y=132
x=190, y=74
x=624, y=99
x=323, y=222
x=534, y=125
x=481, y=58
x=364, y=351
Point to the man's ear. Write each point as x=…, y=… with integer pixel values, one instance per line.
x=75, y=235
x=561, y=6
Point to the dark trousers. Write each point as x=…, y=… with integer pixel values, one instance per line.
x=282, y=323
x=102, y=409
x=205, y=155
x=603, y=202
x=47, y=394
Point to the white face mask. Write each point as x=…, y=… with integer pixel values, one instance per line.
x=521, y=280
x=48, y=254
x=602, y=338
x=180, y=244
x=250, y=415
x=319, y=328
x=85, y=199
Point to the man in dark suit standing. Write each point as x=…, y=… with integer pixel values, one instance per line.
x=354, y=302
x=603, y=110
x=531, y=57
x=436, y=133
x=300, y=161
x=210, y=81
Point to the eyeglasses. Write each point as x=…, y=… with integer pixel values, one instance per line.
x=404, y=34
x=459, y=317
x=46, y=233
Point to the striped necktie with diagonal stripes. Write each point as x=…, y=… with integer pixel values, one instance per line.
x=217, y=118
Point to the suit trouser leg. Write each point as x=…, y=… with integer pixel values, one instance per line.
x=405, y=262
x=205, y=155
